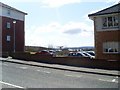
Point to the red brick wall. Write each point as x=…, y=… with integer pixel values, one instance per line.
x=9, y=46
x=104, y=36
x=72, y=61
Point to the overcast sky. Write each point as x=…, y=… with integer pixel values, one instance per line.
x=59, y=22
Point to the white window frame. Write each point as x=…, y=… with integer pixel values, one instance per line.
x=8, y=25
x=8, y=38
x=111, y=47
x=105, y=23
x=8, y=12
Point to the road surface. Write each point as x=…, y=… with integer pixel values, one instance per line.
x=25, y=76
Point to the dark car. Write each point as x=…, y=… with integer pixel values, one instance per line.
x=72, y=54
x=44, y=53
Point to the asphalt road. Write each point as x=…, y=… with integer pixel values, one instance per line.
x=25, y=76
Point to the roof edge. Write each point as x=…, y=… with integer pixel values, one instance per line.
x=95, y=14
x=92, y=15
x=12, y=8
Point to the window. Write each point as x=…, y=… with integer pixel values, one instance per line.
x=115, y=20
x=111, y=47
x=8, y=25
x=111, y=21
x=8, y=12
x=104, y=22
x=8, y=38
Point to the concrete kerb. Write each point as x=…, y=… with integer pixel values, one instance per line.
x=60, y=68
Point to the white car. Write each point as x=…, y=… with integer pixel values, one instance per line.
x=81, y=54
x=89, y=54
x=76, y=54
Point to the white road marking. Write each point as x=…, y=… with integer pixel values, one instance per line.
x=43, y=71
x=114, y=80
x=78, y=76
x=47, y=72
x=38, y=70
x=69, y=75
x=11, y=84
x=23, y=67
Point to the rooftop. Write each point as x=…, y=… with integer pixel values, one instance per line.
x=11, y=8
x=109, y=10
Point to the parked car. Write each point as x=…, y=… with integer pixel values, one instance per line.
x=81, y=54
x=77, y=54
x=88, y=55
x=44, y=52
x=91, y=53
x=52, y=52
x=72, y=54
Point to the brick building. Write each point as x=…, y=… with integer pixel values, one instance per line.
x=107, y=32
x=11, y=29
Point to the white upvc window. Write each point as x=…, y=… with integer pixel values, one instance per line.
x=8, y=11
x=8, y=25
x=8, y=38
x=111, y=47
x=110, y=21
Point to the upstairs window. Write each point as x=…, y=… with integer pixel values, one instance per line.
x=111, y=47
x=115, y=20
x=8, y=25
x=8, y=12
x=105, y=22
x=110, y=21
x=8, y=38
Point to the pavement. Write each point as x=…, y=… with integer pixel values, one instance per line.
x=63, y=67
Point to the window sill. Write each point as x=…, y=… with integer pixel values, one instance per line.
x=111, y=52
x=115, y=27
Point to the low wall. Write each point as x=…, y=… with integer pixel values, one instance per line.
x=32, y=57
x=87, y=62
x=4, y=54
x=72, y=61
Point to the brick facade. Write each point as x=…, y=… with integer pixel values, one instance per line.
x=11, y=39
x=107, y=32
x=8, y=46
x=106, y=36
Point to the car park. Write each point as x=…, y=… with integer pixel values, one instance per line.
x=72, y=54
x=43, y=52
x=52, y=52
x=91, y=53
x=88, y=55
x=81, y=54
x=77, y=54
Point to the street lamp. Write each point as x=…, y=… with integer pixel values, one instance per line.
x=14, y=22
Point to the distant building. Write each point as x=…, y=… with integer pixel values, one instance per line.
x=107, y=32
x=12, y=37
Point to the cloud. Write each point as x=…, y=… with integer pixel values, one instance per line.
x=54, y=3
x=58, y=3
x=47, y=3
x=57, y=34
x=73, y=31
x=76, y=28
